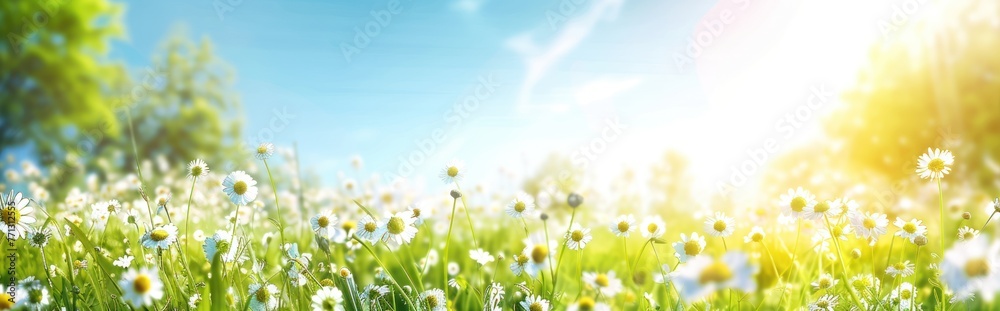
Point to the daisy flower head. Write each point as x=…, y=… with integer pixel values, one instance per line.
x=124, y=262
x=452, y=172
x=869, y=226
x=965, y=233
x=368, y=229
x=160, y=237
x=324, y=224
x=264, y=151
x=398, y=229
x=935, y=164
x=141, y=287
x=240, y=187
x=197, y=168
x=795, y=202
x=719, y=225
x=31, y=294
x=39, y=237
x=372, y=292
x=900, y=269
x=17, y=215
x=328, y=298
x=221, y=243
x=522, y=205
x=539, y=252
x=480, y=256
x=605, y=284
x=863, y=282
x=905, y=295
x=110, y=207
x=825, y=303
x=419, y=213
x=825, y=281
x=972, y=267
x=653, y=227
x=689, y=246
x=756, y=235
x=910, y=229
x=703, y=275
x=434, y=300
x=262, y=297
x=535, y=303
x=578, y=237
x=993, y=207
x=623, y=225
x=588, y=304
x=520, y=263
x=830, y=209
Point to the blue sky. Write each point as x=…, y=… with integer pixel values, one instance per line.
x=556, y=86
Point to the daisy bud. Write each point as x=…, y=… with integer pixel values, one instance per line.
x=500, y=257
x=856, y=253
x=344, y=272
x=966, y=215
x=455, y=194
x=544, y=216
x=920, y=240
x=574, y=200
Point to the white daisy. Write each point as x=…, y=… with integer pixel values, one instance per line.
x=653, y=227
x=520, y=264
x=434, y=300
x=796, y=201
x=398, y=229
x=910, y=229
x=264, y=151
x=39, y=238
x=368, y=229
x=31, y=294
x=125, y=261
x=194, y=301
x=825, y=282
x=905, y=294
x=160, y=237
x=689, y=246
x=452, y=172
x=719, y=225
x=826, y=303
x=110, y=207
x=756, y=235
x=480, y=256
x=935, y=164
x=419, y=213
x=830, y=209
x=900, y=269
x=223, y=243
x=578, y=237
x=141, y=287
x=240, y=187
x=17, y=215
x=863, y=283
x=605, y=284
x=965, y=233
x=703, y=275
x=869, y=226
x=328, y=298
x=972, y=267
x=197, y=168
x=373, y=291
x=623, y=225
x=539, y=252
x=324, y=224
x=521, y=206
x=262, y=297
x=535, y=303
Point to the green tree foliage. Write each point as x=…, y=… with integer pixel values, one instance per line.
x=929, y=85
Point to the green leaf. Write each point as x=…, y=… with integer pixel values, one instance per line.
x=80, y=235
x=364, y=209
x=217, y=285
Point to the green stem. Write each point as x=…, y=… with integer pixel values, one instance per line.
x=277, y=207
x=386, y=269
x=944, y=223
x=447, y=244
x=843, y=268
x=472, y=229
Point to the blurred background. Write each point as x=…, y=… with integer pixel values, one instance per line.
x=660, y=103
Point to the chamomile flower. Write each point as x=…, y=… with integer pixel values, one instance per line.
x=262, y=297
x=141, y=287
x=520, y=264
x=910, y=229
x=264, y=151
x=935, y=164
x=703, y=275
x=17, y=215
x=535, y=303
x=452, y=172
x=197, y=168
x=795, y=202
x=328, y=298
x=689, y=246
x=480, y=256
x=605, y=284
x=965, y=233
x=588, y=304
x=373, y=291
x=434, y=300
x=398, y=229
x=653, y=227
x=829, y=209
x=31, y=294
x=39, y=237
x=125, y=261
x=824, y=282
x=869, y=226
x=825, y=303
x=578, y=237
x=905, y=294
x=900, y=269
x=863, y=282
x=110, y=207
x=160, y=237
x=972, y=267
x=368, y=229
x=623, y=225
x=240, y=187
x=324, y=224
x=221, y=243
x=719, y=225
x=521, y=206
x=756, y=235
x=539, y=252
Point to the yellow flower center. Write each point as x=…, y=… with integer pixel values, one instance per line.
x=396, y=225
x=715, y=273
x=585, y=304
x=11, y=216
x=822, y=304
x=539, y=253
x=977, y=267
x=899, y=266
x=869, y=223
x=159, y=235
x=910, y=228
x=719, y=226
x=262, y=149
x=623, y=226
x=906, y=294
x=798, y=204
x=535, y=306
x=240, y=187
x=968, y=235
x=416, y=212
x=196, y=170
x=5, y=303
x=821, y=207
x=262, y=294
x=757, y=237
x=824, y=283
x=520, y=207
x=370, y=227
x=692, y=248
x=142, y=284
x=452, y=171
x=111, y=208
x=521, y=259
x=935, y=165
x=323, y=221
x=577, y=235
x=387, y=198
x=432, y=301
x=601, y=280
x=652, y=227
